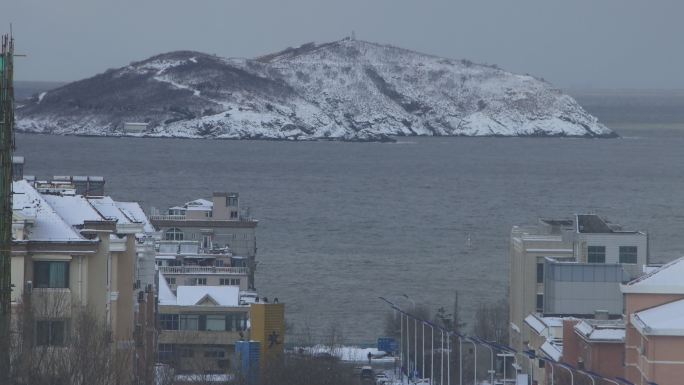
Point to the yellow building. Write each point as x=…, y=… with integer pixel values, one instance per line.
x=268, y=328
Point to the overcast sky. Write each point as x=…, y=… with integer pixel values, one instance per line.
x=572, y=43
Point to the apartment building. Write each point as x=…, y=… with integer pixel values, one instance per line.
x=529, y=247
x=654, y=315
x=185, y=263
x=594, y=345
x=570, y=267
x=199, y=326
x=220, y=224
x=72, y=253
x=546, y=339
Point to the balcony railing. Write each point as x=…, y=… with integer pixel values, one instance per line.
x=164, y=217
x=202, y=270
x=167, y=217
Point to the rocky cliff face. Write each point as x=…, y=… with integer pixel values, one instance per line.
x=348, y=90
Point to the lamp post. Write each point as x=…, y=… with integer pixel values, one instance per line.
x=401, y=345
x=422, y=372
x=448, y=359
x=491, y=355
x=460, y=360
x=432, y=355
x=475, y=363
x=441, y=371
x=415, y=344
x=590, y=377
x=572, y=377
x=408, y=349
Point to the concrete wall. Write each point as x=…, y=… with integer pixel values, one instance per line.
x=659, y=348
x=581, y=289
x=212, y=279
x=241, y=240
x=525, y=252
x=612, y=243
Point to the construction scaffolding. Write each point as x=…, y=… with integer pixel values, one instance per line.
x=6, y=149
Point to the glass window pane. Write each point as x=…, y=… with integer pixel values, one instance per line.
x=216, y=322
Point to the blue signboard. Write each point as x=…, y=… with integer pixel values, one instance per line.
x=388, y=344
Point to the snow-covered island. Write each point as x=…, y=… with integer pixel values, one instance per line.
x=345, y=90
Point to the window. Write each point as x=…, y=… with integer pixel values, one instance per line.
x=233, y=215
x=229, y=281
x=628, y=254
x=187, y=352
x=189, y=322
x=50, y=332
x=540, y=302
x=216, y=323
x=232, y=201
x=215, y=353
x=173, y=234
x=540, y=273
x=168, y=321
x=166, y=352
x=171, y=280
x=51, y=274
x=198, y=281
x=596, y=254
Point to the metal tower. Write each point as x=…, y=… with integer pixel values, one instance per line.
x=6, y=148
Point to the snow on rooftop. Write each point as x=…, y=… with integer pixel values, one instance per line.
x=535, y=323
x=166, y=296
x=666, y=279
x=199, y=203
x=552, y=350
x=108, y=209
x=539, y=324
x=666, y=320
x=194, y=295
x=74, y=209
x=136, y=214
x=48, y=225
x=597, y=332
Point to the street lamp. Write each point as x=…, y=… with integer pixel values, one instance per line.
x=590, y=377
x=468, y=339
x=491, y=355
x=572, y=377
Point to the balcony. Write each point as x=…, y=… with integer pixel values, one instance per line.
x=203, y=270
x=194, y=337
x=167, y=217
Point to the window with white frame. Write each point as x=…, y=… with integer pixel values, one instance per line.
x=173, y=234
x=628, y=254
x=596, y=254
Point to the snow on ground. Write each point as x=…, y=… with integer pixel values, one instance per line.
x=350, y=353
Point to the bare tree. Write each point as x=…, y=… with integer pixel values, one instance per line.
x=491, y=322
x=56, y=342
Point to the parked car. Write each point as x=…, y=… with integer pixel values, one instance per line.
x=381, y=378
x=366, y=372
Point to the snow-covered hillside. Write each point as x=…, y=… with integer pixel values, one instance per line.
x=349, y=90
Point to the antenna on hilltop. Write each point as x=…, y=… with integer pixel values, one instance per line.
x=353, y=35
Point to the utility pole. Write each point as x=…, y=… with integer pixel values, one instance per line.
x=6, y=149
